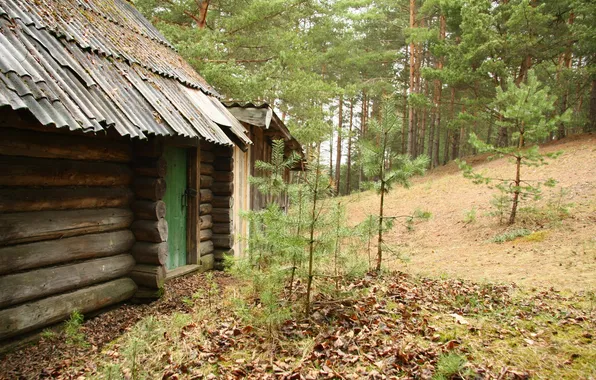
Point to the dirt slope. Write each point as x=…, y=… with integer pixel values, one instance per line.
x=563, y=257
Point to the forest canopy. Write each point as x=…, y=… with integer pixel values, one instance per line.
x=327, y=66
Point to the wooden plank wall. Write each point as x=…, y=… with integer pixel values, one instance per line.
x=65, y=217
x=261, y=150
x=241, y=197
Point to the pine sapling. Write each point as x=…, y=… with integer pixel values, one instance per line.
x=382, y=163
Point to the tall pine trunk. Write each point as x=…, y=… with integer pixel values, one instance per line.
x=381, y=205
x=311, y=242
x=362, y=135
x=349, y=163
x=561, y=132
x=412, y=114
x=338, y=147
x=438, y=88
x=591, y=125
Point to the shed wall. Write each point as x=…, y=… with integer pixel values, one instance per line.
x=65, y=218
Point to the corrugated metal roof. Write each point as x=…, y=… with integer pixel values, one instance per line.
x=95, y=64
x=262, y=116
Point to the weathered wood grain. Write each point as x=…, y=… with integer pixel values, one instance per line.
x=151, y=231
x=63, y=198
x=149, y=188
x=150, y=253
x=24, y=227
x=206, y=234
x=206, y=195
x=205, y=208
x=150, y=276
x=34, y=255
x=206, y=247
x=18, y=142
x=206, y=222
x=33, y=315
x=147, y=210
x=222, y=188
x=206, y=181
x=39, y=283
x=150, y=167
x=23, y=171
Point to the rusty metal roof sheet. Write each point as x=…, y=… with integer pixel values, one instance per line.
x=95, y=64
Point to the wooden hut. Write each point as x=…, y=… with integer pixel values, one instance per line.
x=263, y=126
x=116, y=161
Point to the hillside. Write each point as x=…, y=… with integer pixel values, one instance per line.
x=561, y=255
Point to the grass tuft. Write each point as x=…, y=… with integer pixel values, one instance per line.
x=451, y=366
x=536, y=236
x=511, y=235
x=72, y=329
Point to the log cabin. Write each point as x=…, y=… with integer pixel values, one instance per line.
x=263, y=126
x=116, y=161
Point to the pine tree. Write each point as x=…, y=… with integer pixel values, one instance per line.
x=386, y=166
x=524, y=111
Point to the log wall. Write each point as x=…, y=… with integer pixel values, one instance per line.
x=65, y=218
x=206, y=205
x=150, y=228
x=221, y=213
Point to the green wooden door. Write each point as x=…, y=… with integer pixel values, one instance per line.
x=176, y=206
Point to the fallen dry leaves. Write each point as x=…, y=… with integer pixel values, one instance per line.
x=388, y=327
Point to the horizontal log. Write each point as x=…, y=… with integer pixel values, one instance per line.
x=205, y=235
x=39, y=283
x=206, y=222
x=206, y=146
x=222, y=151
x=206, y=181
x=223, y=176
x=222, y=188
x=205, y=208
x=149, y=188
x=34, y=315
x=150, y=276
x=206, y=195
x=223, y=164
x=222, y=201
x=220, y=254
x=150, y=167
x=35, y=255
x=61, y=198
x=144, y=295
x=151, y=148
x=220, y=215
x=221, y=228
x=18, y=142
x=21, y=171
x=207, y=169
x=206, y=247
x=150, y=253
x=207, y=157
x=24, y=227
x=223, y=240
x=148, y=210
x=207, y=262
x=150, y=231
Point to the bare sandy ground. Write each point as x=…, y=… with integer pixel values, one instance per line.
x=446, y=245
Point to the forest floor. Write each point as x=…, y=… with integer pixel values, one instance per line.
x=396, y=326
x=460, y=307
x=560, y=252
